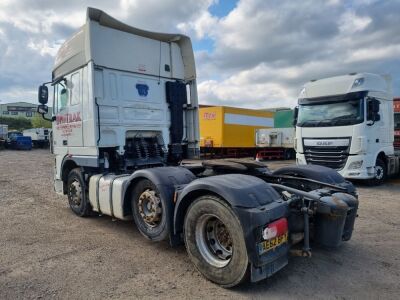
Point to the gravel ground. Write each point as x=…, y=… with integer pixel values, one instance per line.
x=48, y=252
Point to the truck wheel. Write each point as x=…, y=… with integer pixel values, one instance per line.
x=380, y=172
x=77, y=199
x=149, y=211
x=214, y=241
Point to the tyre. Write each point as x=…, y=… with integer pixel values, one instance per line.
x=380, y=174
x=214, y=241
x=288, y=154
x=77, y=197
x=150, y=212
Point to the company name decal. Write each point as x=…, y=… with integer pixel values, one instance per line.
x=68, y=118
x=324, y=143
x=68, y=122
x=209, y=115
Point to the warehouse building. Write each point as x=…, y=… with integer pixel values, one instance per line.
x=19, y=109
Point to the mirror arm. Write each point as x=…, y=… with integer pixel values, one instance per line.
x=52, y=119
x=59, y=81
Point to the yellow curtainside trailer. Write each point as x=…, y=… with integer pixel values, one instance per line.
x=229, y=131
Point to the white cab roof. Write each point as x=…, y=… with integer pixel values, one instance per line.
x=340, y=85
x=92, y=42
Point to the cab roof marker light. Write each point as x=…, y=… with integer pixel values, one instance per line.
x=357, y=82
x=302, y=92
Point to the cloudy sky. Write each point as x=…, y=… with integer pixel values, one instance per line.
x=249, y=53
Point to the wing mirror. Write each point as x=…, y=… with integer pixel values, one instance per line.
x=43, y=109
x=43, y=94
x=295, y=115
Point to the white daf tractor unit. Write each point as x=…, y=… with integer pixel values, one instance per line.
x=346, y=123
x=125, y=116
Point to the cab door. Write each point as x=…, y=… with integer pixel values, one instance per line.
x=75, y=138
x=67, y=109
x=60, y=111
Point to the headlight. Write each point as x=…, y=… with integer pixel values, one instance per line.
x=355, y=164
x=360, y=144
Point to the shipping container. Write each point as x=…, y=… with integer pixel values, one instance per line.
x=229, y=127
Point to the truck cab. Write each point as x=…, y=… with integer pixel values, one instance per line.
x=346, y=123
x=122, y=108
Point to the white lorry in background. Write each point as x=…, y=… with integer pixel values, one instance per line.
x=126, y=114
x=275, y=142
x=346, y=123
x=39, y=136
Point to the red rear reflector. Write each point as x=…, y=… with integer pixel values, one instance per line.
x=274, y=229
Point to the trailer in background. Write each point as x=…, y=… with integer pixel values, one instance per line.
x=39, y=136
x=230, y=132
x=396, y=110
x=275, y=143
x=283, y=118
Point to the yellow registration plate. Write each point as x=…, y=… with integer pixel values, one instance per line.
x=272, y=243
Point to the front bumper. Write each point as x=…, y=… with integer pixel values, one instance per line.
x=366, y=171
x=253, y=220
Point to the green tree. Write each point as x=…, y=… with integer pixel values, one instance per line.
x=38, y=122
x=16, y=123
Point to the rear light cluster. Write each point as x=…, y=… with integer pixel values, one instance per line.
x=274, y=229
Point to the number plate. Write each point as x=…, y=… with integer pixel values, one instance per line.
x=272, y=243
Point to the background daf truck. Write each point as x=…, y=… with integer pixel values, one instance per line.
x=346, y=123
x=126, y=114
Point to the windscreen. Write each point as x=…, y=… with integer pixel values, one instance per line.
x=331, y=113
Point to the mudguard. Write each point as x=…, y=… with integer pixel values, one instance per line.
x=237, y=189
x=319, y=173
x=315, y=172
x=166, y=180
x=165, y=176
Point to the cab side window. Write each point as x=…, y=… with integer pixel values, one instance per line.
x=75, y=89
x=62, y=96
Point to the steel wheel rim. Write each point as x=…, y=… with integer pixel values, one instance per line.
x=214, y=241
x=75, y=192
x=378, y=172
x=150, y=209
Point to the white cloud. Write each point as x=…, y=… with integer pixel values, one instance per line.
x=263, y=50
x=44, y=47
x=266, y=50
x=378, y=52
x=350, y=23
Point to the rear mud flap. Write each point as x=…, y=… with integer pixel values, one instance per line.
x=260, y=273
